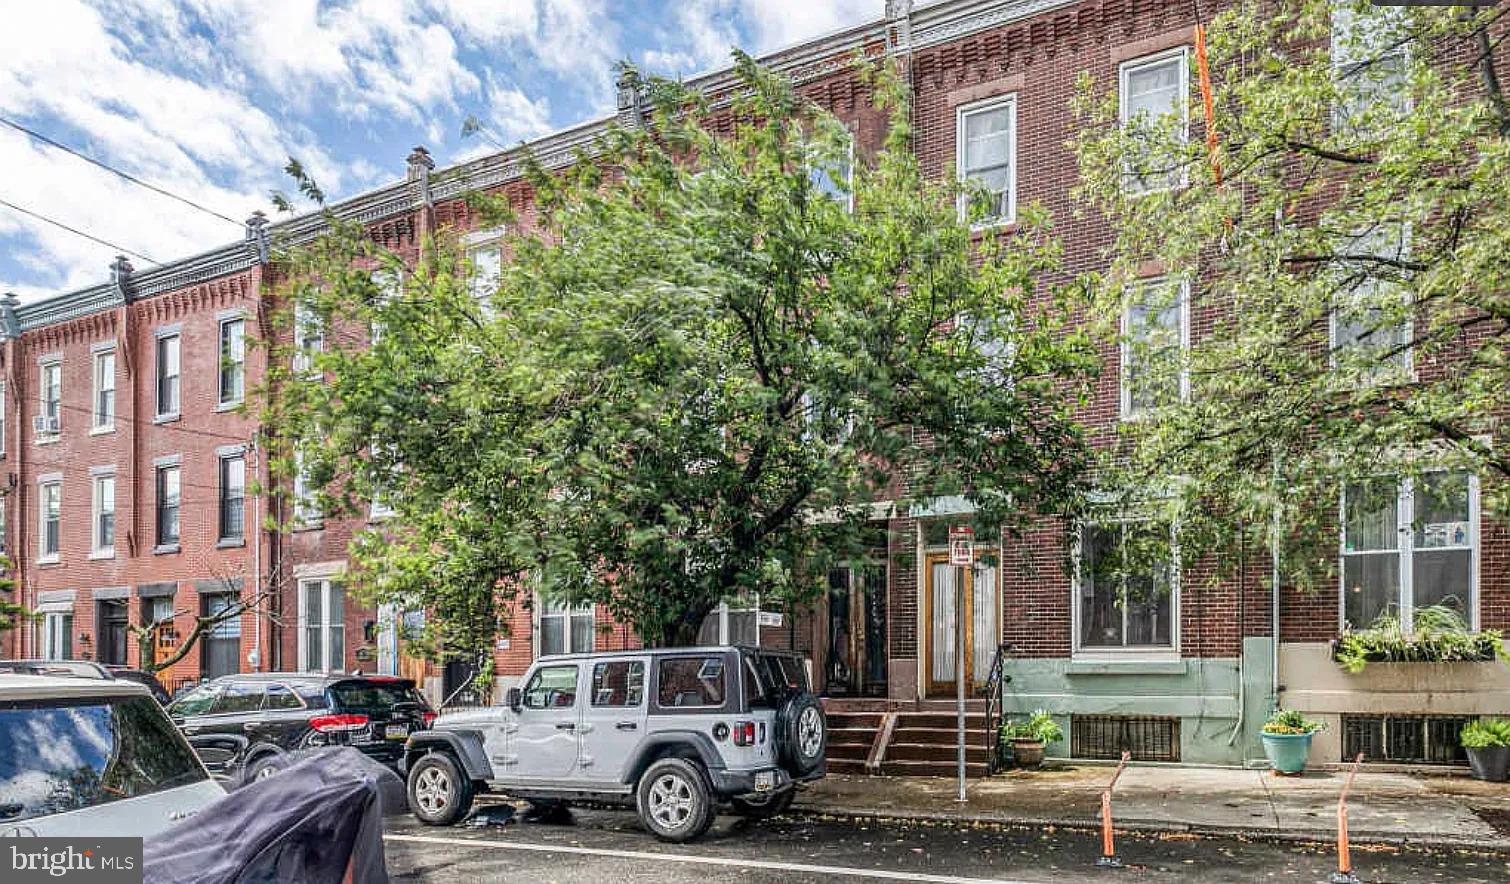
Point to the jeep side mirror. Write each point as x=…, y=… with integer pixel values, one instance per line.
x=514, y=699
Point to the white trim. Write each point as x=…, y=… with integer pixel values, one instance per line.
x=1183, y=54
x=567, y=612
x=329, y=588
x=961, y=112
x=1124, y=346
x=1405, y=551
x=317, y=570
x=1099, y=653
x=97, y=475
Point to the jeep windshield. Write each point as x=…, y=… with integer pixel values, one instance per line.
x=60, y=756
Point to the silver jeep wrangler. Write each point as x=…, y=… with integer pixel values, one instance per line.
x=678, y=731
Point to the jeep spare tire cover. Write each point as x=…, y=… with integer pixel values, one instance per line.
x=803, y=732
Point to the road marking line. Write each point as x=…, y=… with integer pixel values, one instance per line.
x=885, y=874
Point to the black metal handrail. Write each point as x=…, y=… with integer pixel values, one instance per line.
x=996, y=684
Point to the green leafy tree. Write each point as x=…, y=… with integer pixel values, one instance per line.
x=1344, y=245
x=696, y=371
x=12, y=614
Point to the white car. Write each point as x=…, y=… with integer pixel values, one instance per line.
x=89, y=758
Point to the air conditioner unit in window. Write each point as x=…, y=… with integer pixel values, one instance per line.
x=45, y=424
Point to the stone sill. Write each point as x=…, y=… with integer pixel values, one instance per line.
x=1129, y=666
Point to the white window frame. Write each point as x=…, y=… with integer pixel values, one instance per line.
x=306, y=508
x=1405, y=550
x=1407, y=371
x=159, y=471
x=50, y=407
x=546, y=610
x=102, y=420
x=849, y=176
x=98, y=477
x=229, y=364
x=57, y=625
x=2, y=419
x=309, y=339
x=1182, y=54
x=161, y=340
x=44, y=556
x=1125, y=349
x=1344, y=62
x=381, y=507
x=477, y=241
x=963, y=112
x=329, y=586
x=1149, y=653
x=222, y=496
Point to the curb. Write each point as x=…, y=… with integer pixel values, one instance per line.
x=1153, y=827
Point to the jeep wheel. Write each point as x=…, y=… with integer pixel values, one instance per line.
x=766, y=806
x=802, y=732
x=674, y=800
x=439, y=793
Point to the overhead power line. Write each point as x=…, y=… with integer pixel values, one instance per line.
x=114, y=171
x=77, y=232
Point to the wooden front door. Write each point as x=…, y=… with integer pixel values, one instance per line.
x=982, y=625
x=855, y=660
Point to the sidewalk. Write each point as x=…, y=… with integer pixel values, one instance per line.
x=1383, y=807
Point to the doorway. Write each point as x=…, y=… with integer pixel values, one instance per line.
x=982, y=625
x=113, y=615
x=855, y=661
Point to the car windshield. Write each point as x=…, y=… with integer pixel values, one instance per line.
x=62, y=757
x=374, y=694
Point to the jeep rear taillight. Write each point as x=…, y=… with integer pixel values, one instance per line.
x=326, y=724
x=744, y=733
x=429, y=716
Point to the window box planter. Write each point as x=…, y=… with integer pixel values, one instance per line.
x=1440, y=636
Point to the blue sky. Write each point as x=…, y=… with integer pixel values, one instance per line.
x=208, y=98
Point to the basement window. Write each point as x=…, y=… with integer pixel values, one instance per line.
x=1404, y=739
x=1147, y=738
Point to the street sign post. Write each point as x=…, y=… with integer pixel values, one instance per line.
x=962, y=557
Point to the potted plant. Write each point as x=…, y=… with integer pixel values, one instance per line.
x=1029, y=738
x=1287, y=740
x=1487, y=743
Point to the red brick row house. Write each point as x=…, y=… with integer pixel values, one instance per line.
x=129, y=462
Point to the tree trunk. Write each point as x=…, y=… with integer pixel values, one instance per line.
x=684, y=633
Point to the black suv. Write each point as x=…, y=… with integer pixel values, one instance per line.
x=242, y=725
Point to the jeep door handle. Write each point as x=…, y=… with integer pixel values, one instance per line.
x=626, y=726
x=566, y=726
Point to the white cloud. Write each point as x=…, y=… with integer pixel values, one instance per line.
x=702, y=33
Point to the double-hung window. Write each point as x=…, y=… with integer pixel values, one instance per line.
x=322, y=625
x=57, y=635
x=168, y=373
x=49, y=514
x=566, y=628
x=1127, y=587
x=306, y=505
x=168, y=490
x=103, y=523
x=1409, y=544
x=232, y=360
x=835, y=180
x=51, y=398
x=986, y=144
x=1369, y=65
x=309, y=339
x=232, y=497
x=1155, y=335
x=2, y=418
x=1370, y=324
x=104, y=389
x=1155, y=114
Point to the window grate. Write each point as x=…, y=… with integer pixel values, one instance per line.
x=1406, y=739
x=1108, y=736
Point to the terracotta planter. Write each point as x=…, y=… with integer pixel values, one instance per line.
x=1027, y=753
x=1490, y=763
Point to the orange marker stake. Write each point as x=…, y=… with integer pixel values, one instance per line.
x=1109, y=858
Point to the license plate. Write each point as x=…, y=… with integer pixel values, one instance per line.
x=765, y=780
x=396, y=731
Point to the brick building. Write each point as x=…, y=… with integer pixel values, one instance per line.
x=1188, y=677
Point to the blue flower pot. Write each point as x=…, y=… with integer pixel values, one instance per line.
x=1287, y=753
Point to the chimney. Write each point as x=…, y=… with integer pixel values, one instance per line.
x=899, y=25
x=420, y=166
x=10, y=326
x=256, y=236
x=120, y=277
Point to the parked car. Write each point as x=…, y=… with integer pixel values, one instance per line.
x=92, y=757
x=87, y=669
x=678, y=732
x=243, y=725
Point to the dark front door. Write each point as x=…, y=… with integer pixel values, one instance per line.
x=112, y=632
x=855, y=661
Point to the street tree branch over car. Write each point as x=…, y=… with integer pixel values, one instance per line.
x=714, y=343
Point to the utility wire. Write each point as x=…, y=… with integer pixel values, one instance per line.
x=114, y=171
x=76, y=232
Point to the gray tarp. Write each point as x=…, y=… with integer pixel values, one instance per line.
x=303, y=825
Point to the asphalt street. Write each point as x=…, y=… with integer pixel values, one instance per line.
x=608, y=847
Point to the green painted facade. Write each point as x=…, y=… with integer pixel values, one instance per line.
x=1221, y=702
